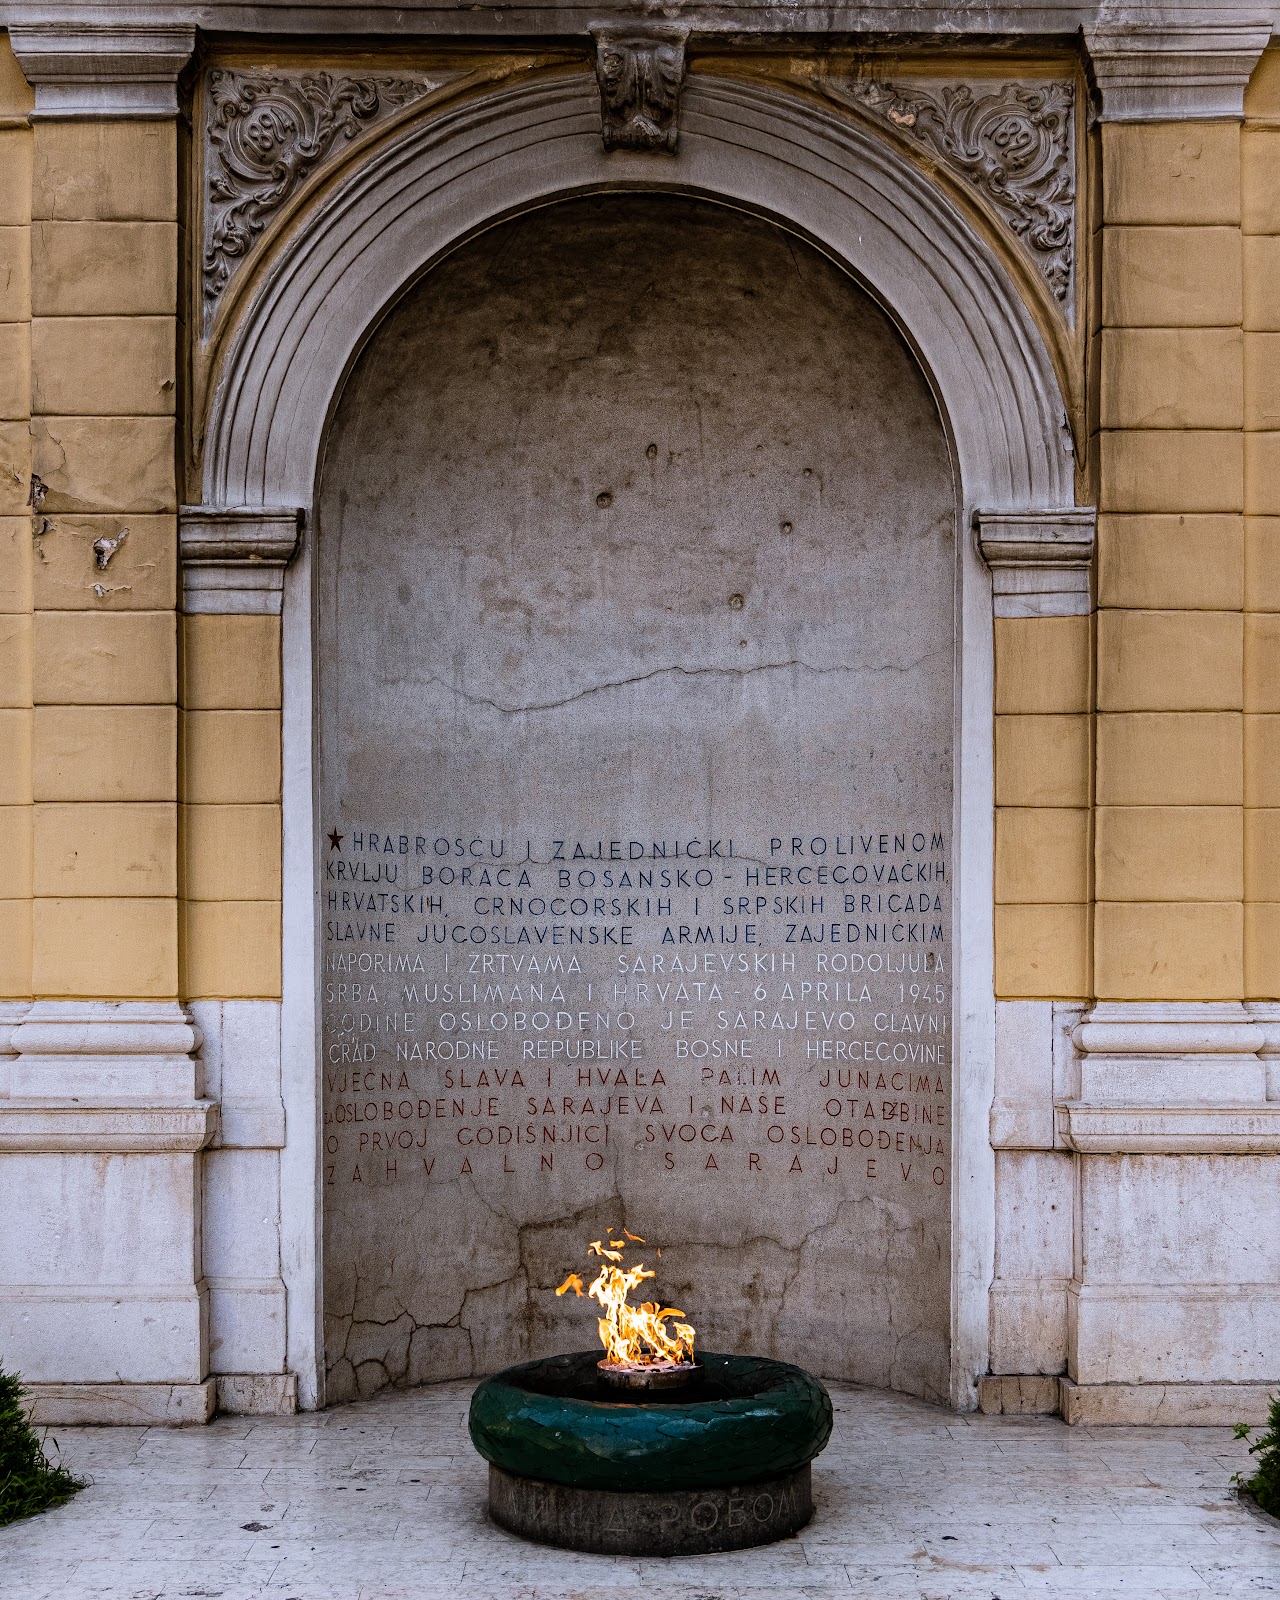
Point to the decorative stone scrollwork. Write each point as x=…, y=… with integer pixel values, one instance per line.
x=1013, y=142
x=640, y=71
x=265, y=134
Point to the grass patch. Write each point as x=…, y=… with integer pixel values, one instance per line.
x=29, y=1481
x=1264, y=1485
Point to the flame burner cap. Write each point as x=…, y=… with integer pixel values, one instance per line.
x=657, y=1375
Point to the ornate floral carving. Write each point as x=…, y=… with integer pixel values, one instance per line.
x=640, y=72
x=265, y=133
x=1014, y=142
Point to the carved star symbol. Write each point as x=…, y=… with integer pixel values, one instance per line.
x=335, y=840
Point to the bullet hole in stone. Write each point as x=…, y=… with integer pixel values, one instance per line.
x=105, y=548
x=808, y=472
x=604, y=499
x=651, y=451
x=784, y=527
x=736, y=602
x=405, y=593
x=742, y=644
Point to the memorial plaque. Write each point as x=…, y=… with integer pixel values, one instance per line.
x=636, y=564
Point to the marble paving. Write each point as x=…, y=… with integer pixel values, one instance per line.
x=385, y=1501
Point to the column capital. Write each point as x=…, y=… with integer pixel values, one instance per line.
x=102, y=69
x=233, y=558
x=1188, y=71
x=1040, y=560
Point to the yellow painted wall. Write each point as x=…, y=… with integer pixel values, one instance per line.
x=1182, y=747
x=1261, y=699
x=16, y=554
x=104, y=650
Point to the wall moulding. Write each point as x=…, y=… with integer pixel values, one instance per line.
x=1175, y=71
x=639, y=72
x=233, y=559
x=1040, y=560
x=103, y=69
x=1170, y=1078
x=107, y=1130
x=266, y=131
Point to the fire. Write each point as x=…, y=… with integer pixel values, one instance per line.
x=632, y=1336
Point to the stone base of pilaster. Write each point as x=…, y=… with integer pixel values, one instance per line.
x=257, y=1394
x=1174, y=1405
x=122, y=1405
x=1024, y=1395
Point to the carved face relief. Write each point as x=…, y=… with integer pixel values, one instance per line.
x=640, y=79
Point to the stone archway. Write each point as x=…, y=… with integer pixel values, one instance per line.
x=813, y=172
x=635, y=554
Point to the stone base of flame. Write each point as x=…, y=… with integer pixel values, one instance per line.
x=684, y=1522
x=720, y=1464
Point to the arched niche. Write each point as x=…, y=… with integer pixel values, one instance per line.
x=304, y=319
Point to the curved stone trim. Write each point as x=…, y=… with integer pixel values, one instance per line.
x=442, y=179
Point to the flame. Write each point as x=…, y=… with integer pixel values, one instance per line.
x=632, y=1336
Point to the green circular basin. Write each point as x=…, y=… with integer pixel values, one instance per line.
x=555, y=1420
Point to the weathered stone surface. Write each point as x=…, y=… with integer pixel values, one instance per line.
x=683, y=1522
x=636, y=529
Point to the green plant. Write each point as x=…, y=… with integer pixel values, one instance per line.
x=29, y=1481
x=1264, y=1486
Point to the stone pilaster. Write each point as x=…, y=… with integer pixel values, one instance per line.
x=103, y=1302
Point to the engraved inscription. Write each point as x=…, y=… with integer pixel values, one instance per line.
x=635, y=553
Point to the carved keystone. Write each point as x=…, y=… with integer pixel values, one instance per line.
x=640, y=71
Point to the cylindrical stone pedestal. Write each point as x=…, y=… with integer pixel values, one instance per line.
x=682, y=1522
